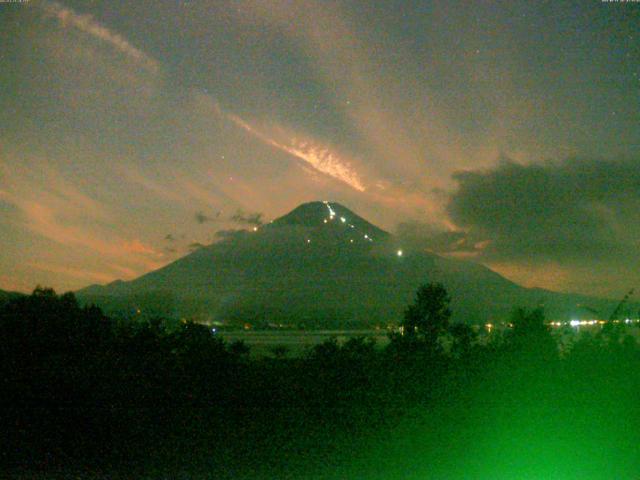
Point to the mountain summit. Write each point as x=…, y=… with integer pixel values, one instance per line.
x=319, y=214
x=323, y=266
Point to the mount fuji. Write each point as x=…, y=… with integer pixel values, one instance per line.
x=321, y=266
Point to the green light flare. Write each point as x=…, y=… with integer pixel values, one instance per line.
x=516, y=427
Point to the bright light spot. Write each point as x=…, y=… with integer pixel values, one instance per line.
x=351, y=240
x=399, y=253
x=342, y=219
x=213, y=330
x=255, y=229
x=325, y=220
x=308, y=240
x=574, y=323
x=366, y=236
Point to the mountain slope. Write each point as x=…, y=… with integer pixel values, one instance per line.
x=320, y=265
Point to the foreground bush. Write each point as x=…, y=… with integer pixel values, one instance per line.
x=87, y=395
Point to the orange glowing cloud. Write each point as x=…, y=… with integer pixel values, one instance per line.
x=77, y=273
x=317, y=156
x=52, y=208
x=136, y=246
x=550, y=275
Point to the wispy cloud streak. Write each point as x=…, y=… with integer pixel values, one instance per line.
x=320, y=158
x=85, y=23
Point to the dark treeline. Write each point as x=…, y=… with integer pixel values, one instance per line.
x=86, y=395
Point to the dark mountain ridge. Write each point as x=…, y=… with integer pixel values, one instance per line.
x=323, y=266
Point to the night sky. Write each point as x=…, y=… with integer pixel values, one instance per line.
x=506, y=133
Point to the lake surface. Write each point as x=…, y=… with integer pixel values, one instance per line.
x=297, y=342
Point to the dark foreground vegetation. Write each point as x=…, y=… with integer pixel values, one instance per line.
x=89, y=397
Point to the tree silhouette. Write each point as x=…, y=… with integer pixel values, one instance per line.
x=280, y=351
x=463, y=337
x=428, y=317
x=531, y=335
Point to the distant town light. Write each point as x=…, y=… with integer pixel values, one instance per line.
x=255, y=229
x=574, y=323
x=399, y=253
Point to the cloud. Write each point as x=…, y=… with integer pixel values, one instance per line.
x=50, y=207
x=136, y=246
x=573, y=213
x=254, y=219
x=321, y=158
x=425, y=237
x=73, y=272
x=128, y=273
x=554, y=210
x=86, y=24
x=397, y=126
x=202, y=218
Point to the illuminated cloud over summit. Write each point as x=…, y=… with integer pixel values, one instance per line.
x=320, y=158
